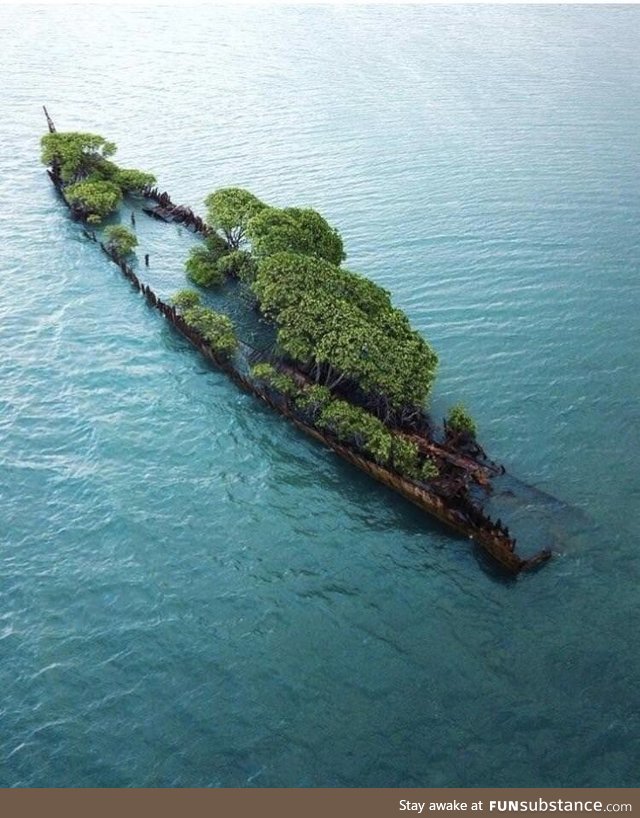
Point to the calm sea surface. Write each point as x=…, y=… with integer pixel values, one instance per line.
x=194, y=594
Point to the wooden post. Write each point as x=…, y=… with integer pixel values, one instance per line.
x=52, y=127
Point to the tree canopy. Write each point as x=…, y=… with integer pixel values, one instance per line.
x=295, y=230
x=345, y=329
x=77, y=154
x=229, y=210
x=130, y=180
x=217, y=329
x=93, y=184
x=353, y=424
x=460, y=420
x=280, y=381
x=202, y=268
x=282, y=277
x=120, y=239
x=238, y=264
x=185, y=299
x=94, y=199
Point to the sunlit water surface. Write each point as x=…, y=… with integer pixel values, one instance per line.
x=194, y=594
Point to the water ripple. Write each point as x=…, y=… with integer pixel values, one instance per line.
x=194, y=594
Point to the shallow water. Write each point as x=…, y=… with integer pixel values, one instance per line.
x=194, y=594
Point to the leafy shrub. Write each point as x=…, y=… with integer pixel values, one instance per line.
x=202, y=269
x=351, y=424
x=216, y=246
x=279, y=381
x=237, y=264
x=429, y=470
x=460, y=420
x=130, y=180
x=313, y=399
x=95, y=199
x=216, y=328
x=405, y=457
x=120, y=239
x=185, y=299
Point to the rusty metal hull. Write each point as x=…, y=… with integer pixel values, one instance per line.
x=497, y=544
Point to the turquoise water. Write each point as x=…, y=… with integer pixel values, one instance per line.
x=194, y=594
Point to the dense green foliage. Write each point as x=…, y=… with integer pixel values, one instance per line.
x=96, y=199
x=210, y=264
x=285, y=276
x=313, y=399
x=277, y=380
x=405, y=457
x=202, y=268
x=350, y=424
x=460, y=420
x=354, y=425
x=263, y=372
x=206, y=265
x=294, y=230
x=130, y=180
x=185, y=299
x=216, y=246
x=120, y=239
x=429, y=470
x=93, y=184
x=240, y=215
x=76, y=154
x=238, y=264
x=229, y=210
x=345, y=328
x=216, y=328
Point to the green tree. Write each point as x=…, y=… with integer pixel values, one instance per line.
x=313, y=399
x=295, y=230
x=279, y=381
x=429, y=470
x=238, y=264
x=130, y=180
x=120, y=240
x=229, y=210
x=84, y=158
x=185, y=300
x=76, y=154
x=460, y=420
x=216, y=246
x=345, y=331
x=94, y=200
x=284, y=276
x=354, y=425
x=405, y=457
x=202, y=269
x=217, y=329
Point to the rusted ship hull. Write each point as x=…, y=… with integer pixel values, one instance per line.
x=498, y=547
x=494, y=541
